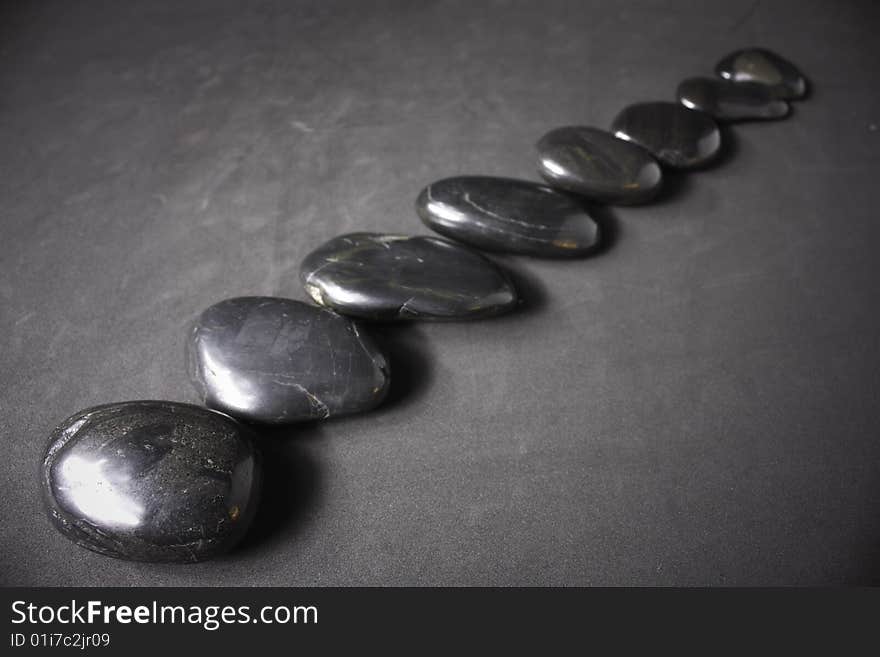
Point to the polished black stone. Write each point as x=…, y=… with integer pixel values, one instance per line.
x=513, y=216
x=596, y=164
x=274, y=361
x=151, y=481
x=395, y=277
x=731, y=101
x=677, y=136
x=764, y=67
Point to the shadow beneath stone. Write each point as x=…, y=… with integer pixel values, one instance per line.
x=609, y=229
x=291, y=477
x=530, y=288
x=729, y=149
x=412, y=367
x=291, y=485
x=676, y=183
x=809, y=91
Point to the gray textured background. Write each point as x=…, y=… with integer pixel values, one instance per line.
x=699, y=404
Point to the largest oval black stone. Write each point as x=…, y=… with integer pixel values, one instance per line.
x=513, y=216
x=151, y=481
x=273, y=361
x=677, y=136
x=396, y=277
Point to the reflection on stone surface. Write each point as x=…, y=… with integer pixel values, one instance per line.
x=151, y=481
x=398, y=277
x=513, y=216
x=98, y=493
x=764, y=67
x=273, y=360
x=731, y=101
x=677, y=136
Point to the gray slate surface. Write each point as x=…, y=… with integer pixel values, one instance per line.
x=699, y=404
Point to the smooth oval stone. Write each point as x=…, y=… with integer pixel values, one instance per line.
x=596, y=164
x=397, y=277
x=274, y=361
x=151, y=481
x=763, y=67
x=515, y=216
x=731, y=101
x=677, y=136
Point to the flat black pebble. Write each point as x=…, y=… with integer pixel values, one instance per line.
x=677, y=136
x=764, y=67
x=398, y=277
x=513, y=216
x=151, y=481
x=273, y=361
x=731, y=101
x=596, y=164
